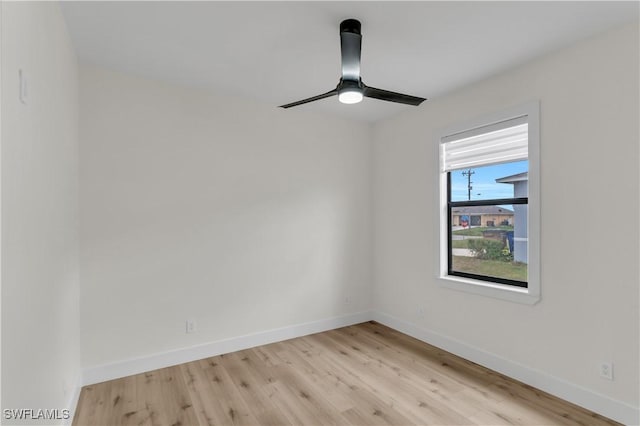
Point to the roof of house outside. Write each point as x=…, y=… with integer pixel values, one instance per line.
x=514, y=178
x=482, y=210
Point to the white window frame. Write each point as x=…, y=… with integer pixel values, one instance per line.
x=532, y=293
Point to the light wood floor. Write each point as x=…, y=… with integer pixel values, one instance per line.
x=366, y=374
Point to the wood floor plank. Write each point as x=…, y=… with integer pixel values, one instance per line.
x=265, y=373
x=368, y=404
x=455, y=367
x=93, y=405
x=405, y=364
x=252, y=390
x=206, y=406
x=489, y=384
x=530, y=398
x=366, y=374
x=415, y=402
x=126, y=406
x=233, y=409
x=409, y=365
x=315, y=378
x=163, y=399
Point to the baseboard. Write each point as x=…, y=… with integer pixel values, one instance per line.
x=73, y=400
x=128, y=367
x=578, y=395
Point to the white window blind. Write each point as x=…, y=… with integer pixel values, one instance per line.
x=496, y=143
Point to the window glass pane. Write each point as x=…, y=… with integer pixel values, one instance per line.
x=490, y=241
x=507, y=180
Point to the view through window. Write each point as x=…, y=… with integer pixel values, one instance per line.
x=487, y=209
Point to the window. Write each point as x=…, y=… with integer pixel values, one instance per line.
x=489, y=205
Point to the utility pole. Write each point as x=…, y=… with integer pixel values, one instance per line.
x=468, y=174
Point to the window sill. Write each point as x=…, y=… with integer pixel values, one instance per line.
x=488, y=289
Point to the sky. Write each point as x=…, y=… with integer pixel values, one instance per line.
x=483, y=181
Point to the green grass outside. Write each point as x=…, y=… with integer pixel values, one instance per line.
x=494, y=268
x=477, y=232
x=460, y=243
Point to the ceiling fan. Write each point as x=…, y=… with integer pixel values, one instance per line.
x=350, y=88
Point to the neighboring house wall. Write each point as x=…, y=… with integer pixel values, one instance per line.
x=481, y=215
x=485, y=219
x=520, y=249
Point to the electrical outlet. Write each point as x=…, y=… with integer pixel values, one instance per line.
x=606, y=370
x=191, y=325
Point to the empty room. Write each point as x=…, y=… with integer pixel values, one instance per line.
x=320, y=213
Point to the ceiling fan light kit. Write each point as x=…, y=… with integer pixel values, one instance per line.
x=350, y=97
x=349, y=92
x=350, y=88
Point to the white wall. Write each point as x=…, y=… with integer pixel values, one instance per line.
x=40, y=290
x=589, y=243
x=243, y=216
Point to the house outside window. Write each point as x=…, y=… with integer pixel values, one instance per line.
x=489, y=204
x=520, y=184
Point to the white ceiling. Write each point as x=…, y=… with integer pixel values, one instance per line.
x=279, y=52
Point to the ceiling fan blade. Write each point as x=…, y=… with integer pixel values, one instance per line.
x=315, y=98
x=350, y=46
x=385, y=95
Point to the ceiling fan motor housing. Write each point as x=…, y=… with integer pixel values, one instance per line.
x=350, y=26
x=345, y=85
